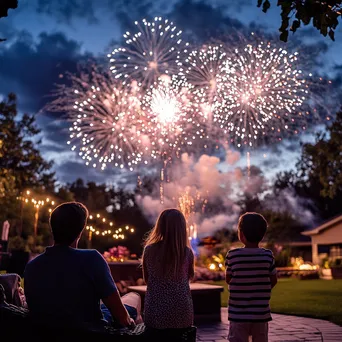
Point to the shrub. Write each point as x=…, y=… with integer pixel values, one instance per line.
x=336, y=262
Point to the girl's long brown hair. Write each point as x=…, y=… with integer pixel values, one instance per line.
x=170, y=229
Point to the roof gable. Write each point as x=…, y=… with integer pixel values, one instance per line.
x=323, y=226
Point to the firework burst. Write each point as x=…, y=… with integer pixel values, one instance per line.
x=200, y=69
x=260, y=91
x=170, y=120
x=105, y=120
x=149, y=53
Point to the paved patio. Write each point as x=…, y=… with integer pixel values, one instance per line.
x=283, y=328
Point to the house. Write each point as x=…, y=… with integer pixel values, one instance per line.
x=326, y=240
x=299, y=246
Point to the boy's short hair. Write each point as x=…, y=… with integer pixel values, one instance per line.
x=253, y=226
x=67, y=221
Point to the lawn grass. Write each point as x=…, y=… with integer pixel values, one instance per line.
x=310, y=298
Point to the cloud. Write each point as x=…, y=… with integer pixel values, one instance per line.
x=213, y=14
x=66, y=10
x=126, y=11
x=30, y=68
x=6, y=29
x=201, y=21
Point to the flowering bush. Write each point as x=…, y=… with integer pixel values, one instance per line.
x=212, y=263
x=205, y=274
x=119, y=253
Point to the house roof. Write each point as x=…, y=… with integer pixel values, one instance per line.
x=325, y=225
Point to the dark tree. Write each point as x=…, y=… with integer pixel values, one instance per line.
x=318, y=175
x=79, y=190
x=21, y=168
x=324, y=15
x=119, y=206
x=323, y=160
x=21, y=161
x=282, y=227
x=125, y=211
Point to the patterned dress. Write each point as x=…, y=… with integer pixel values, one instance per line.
x=168, y=302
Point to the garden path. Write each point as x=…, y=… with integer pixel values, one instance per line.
x=282, y=328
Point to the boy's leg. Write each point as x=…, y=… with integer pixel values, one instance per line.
x=238, y=332
x=259, y=332
x=132, y=302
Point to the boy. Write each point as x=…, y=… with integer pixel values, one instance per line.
x=251, y=274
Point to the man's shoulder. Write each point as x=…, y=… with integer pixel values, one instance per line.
x=35, y=260
x=75, y=253
x=35, y=265
x=90, y=254
x=87, y=252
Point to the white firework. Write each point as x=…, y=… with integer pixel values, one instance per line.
x=200, y=68
x=169, y=116
x=149, y=53
x=260, y=90
x=105, y=120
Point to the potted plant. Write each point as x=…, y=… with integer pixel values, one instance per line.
x=336, y=268
x=325, y=269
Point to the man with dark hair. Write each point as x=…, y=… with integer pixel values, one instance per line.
x=67, y=222
x=251, y=274
x=69, y=284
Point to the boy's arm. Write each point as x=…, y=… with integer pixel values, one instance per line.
x=274, y=280
x=228, y=278
x=228, y=269
x=273, y=273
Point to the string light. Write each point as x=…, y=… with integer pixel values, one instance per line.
x=38, y=203
x=115, y=236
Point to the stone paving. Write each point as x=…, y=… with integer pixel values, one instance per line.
x=283, y=328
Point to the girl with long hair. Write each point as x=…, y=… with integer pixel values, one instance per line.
x=168, y=266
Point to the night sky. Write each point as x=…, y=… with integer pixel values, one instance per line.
x=46, y=38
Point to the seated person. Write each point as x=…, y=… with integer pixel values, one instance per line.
x=168, y=266
x=69, y=284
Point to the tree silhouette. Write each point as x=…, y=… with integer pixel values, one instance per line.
x=318, y=174
x=20, y=158
x=324, y=15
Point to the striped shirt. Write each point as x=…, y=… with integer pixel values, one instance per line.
x=250, y=286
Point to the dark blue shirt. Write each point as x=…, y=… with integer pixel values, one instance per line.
x=68, y=283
